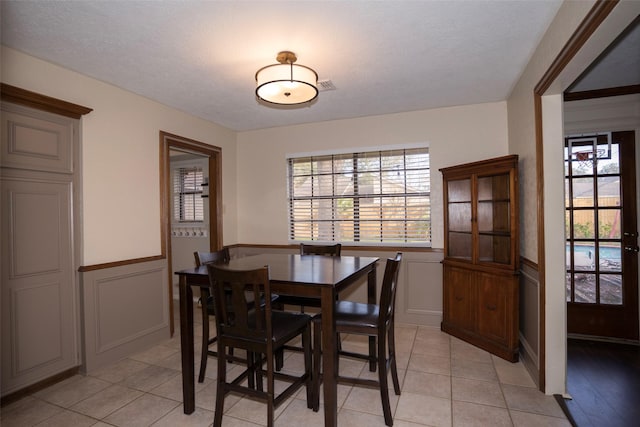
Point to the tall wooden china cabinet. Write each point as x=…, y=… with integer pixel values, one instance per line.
x=481, y=260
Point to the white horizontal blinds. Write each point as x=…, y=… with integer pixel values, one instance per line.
x=372, y=197
x=188, y=205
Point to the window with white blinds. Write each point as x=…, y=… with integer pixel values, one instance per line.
x=188, y=204
x=370, y=197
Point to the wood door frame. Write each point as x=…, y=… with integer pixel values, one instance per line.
x=594, y=18
x=167, y=142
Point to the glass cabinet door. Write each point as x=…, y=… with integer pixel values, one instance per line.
x=459, y=214
x=494, y=219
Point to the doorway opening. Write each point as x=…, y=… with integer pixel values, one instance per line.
x=576, y=55
x=601, y=268
x=173, y=143
x=601, y=235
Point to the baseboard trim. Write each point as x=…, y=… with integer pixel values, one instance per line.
x=602, y=339
x=40, y=385
x=563, y=405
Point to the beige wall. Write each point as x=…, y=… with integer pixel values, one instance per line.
x=455, y=135
x=522, y=141
x=521, y=117
x=120, y=143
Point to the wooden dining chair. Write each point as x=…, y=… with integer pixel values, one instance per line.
x=208, y=309
x=221, y=256
x=328, y=250
x=369, y=320
x=302, y=302
x=306, y=249
x=261, y=332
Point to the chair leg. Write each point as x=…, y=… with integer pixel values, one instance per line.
x=279, y=355
x=382, y=378
x=220, y=387
x=204, y=354
x=317, y=343
x=257, y=360
x=392, y=360
x=270, y=387
x=306, y=345
x=253, y=376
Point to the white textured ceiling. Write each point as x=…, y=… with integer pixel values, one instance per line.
x=617, y=66
x=201, y=56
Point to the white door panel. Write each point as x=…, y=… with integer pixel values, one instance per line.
x=39, y=296
x=38, y=325
x=42, y=143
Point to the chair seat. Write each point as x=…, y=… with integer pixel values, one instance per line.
x=354, y=315
x=285, y=325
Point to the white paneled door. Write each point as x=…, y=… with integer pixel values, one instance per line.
x=39, y=292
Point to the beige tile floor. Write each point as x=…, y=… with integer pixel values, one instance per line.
x=444, y=381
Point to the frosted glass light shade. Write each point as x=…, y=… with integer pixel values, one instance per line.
x=286, y=84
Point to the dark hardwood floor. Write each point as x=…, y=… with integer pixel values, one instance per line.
x=604, y=381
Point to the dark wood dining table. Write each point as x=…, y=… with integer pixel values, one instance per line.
x=299, y=275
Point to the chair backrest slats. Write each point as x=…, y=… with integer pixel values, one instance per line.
x=247, y=296
x=221, y=256
x=327, y=250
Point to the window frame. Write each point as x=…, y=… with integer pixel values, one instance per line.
x=356, y=238
x=199, y=166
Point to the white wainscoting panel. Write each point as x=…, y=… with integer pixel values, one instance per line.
x=419, y=298
x=530, y=319
x=125, y=310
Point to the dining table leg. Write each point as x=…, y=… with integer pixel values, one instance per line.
x=329, y=358
x=186, y=345
x=371, y=299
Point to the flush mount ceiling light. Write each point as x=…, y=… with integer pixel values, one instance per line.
x=286, y=83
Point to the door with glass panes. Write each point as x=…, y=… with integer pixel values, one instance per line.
x=601, y=235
